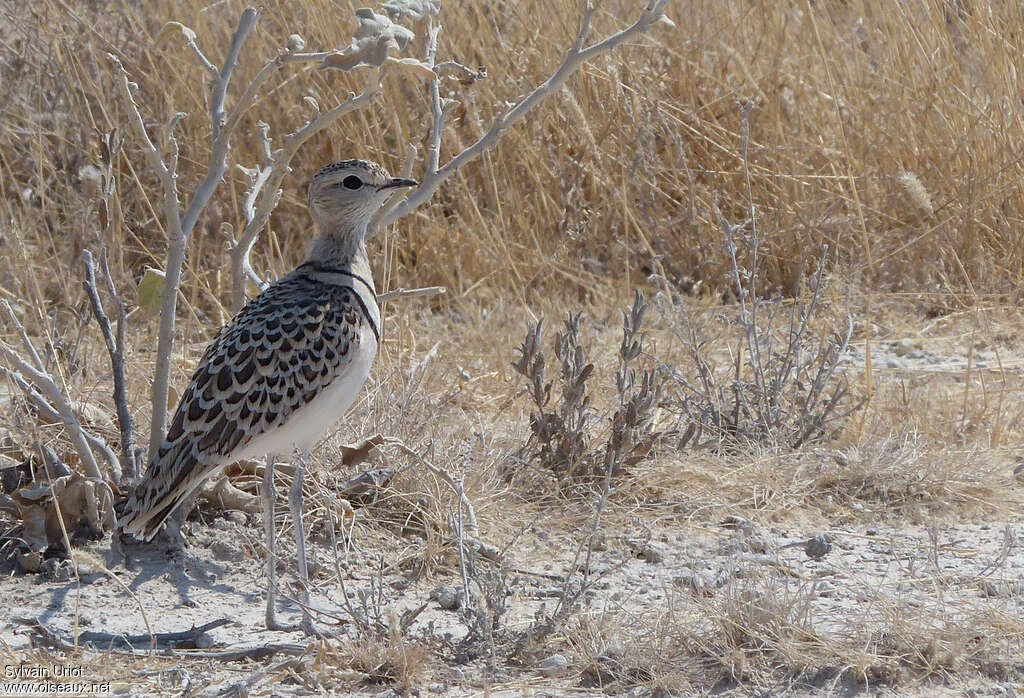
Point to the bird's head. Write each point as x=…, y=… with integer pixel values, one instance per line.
x=346, y=195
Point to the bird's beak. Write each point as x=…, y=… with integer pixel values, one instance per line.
x=398, y=182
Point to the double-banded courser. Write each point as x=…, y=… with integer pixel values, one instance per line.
x=278, y=377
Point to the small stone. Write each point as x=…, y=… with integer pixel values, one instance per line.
x=448, y=598
x=696, y=583
x=818, y=547
x=653, y=553
x=825, y=588
x=736, y=522
x=988, y=589
x=555, y=665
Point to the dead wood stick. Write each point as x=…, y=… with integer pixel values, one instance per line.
x=242, y=688
x=183, y=639
x=228, y=654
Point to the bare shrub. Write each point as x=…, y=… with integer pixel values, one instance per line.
x=784, y=387
x=561, y=439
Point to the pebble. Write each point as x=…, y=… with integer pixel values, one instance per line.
x=825, y=588
x=554, y=665
x=697, y=583
x=653, y=553
x=448, y=598
x=818, y=547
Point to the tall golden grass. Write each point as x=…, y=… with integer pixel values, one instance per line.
x=889, y=131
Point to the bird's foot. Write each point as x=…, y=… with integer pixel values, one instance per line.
x=273, y=625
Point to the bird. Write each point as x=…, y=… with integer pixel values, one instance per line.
x=281, y=373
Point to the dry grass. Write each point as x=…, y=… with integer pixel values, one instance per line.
x=888, y=131
x=887, y=134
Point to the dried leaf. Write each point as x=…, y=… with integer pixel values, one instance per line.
x=33, y=527
x=416, y=9
x=464, y=75
x=666, y=22
x=228, y=497
x=31, y=561
x=374, y=38
x=173, y=28
x=94, y=415
x=8, y=505
x=355, y=453
x=366, y=483
x=418, y=67
x=151, y=290
x=82, y=504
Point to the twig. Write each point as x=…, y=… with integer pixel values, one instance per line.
x=55, y=401
x=115, y=349
x=567, y=599
x=175, y=258
x=25, y=341
x=399, y=293
x=265, y=192
x=575, y=59
x=228, y=654
x=400, y=445
x=241, y=688
x=184, y=639
x=434, y=152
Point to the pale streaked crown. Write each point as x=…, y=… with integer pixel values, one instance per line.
x=351, y=189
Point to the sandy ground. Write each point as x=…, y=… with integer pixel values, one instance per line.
x=958, y=570
x=659, y=579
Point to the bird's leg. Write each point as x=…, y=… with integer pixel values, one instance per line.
x=268, y=530
x=295, y=501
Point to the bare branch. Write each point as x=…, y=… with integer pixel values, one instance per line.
x=265, y=192
x=575, y=59
x=25, y=341
x=399, y=293
x=115, y=348
x=179, y=228
x=175, y=258
x=470, y=522
x=55, y=400
x=220, y=134
x=434, y=153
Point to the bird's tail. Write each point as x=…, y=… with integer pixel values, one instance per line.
x=170, y=480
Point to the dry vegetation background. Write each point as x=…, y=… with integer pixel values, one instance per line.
x=890, y=131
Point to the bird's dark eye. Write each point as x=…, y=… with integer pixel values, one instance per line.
x=352, y=182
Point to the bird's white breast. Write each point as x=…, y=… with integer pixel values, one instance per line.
x=314, y=420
